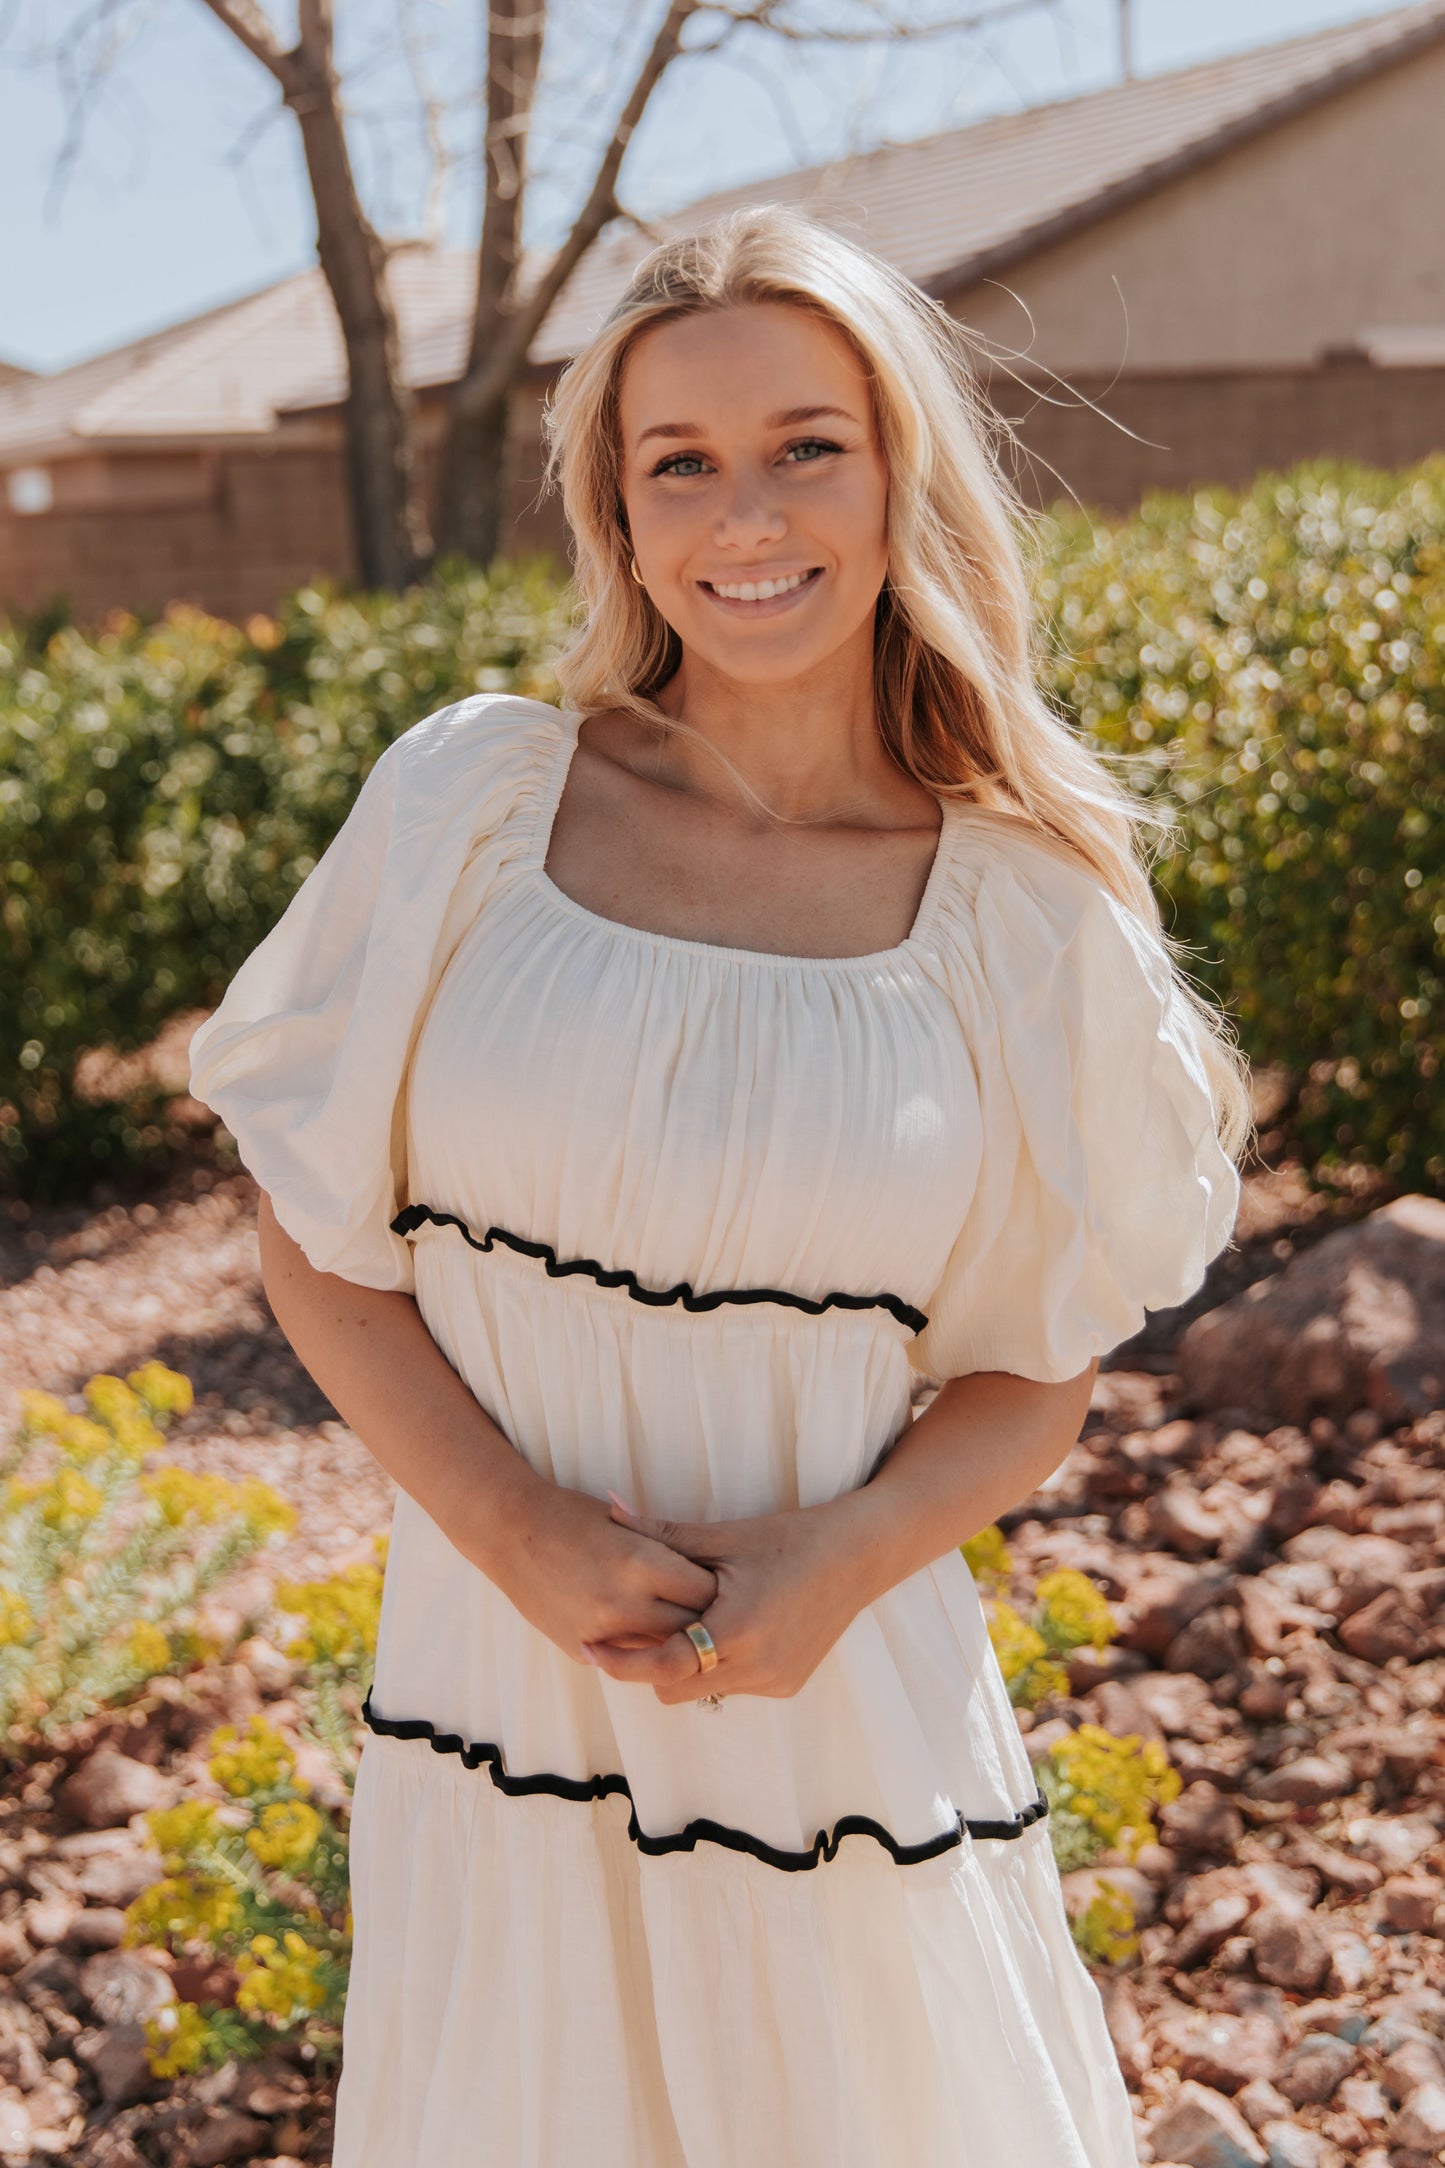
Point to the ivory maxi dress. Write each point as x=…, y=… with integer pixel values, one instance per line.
x=686, y=1218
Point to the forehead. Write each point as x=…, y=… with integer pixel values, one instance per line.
x=733, y=367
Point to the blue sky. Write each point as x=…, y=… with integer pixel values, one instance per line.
x=189, y=187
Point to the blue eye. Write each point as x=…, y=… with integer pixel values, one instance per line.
x=669, y=465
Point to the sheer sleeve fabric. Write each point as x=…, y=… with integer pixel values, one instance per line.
x=1103, y=1190
x=306, y=1057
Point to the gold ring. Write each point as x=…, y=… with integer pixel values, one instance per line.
x=702, y=1641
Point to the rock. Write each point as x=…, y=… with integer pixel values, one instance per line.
x=1209, y=1930
x=109, y=1787
x=1356, y=1877
x=1356, y=1320
x=1160, y=1605
x=273, y=1672
x=1260, y=2102
x=1084, y=1884
x=122, y=1987
x=46, y=1920
x=1201, y=1820
x=1115, y=1705
x=1344, y=2019
x=1211, y=1645
x=15, y=1946
x=1392, y=1841
x=1364, y=1566
x=1391, y=1625
x=16, y=2128
x=117, y=2058
x=1308, y=1781
x=1365, y=2097
x=1291, y=1949
x=1126, y=2026
x=1420, y=2125
x=1311, y=2072
x=1408, y=1904
x=229, y=2135
x=1203, y=2129
x=1412, y=2062
x=1292, y=2146
x=1180, y=1520
x=1173, y=1699
x=1219, y=2050
x=55, y=1974
x=97, y=1927
x=1351, y=1961
x=118, y=1878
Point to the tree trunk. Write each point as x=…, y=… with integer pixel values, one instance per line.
x=473, y=483
x=388, y=519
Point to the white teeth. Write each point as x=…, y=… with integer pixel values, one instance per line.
x=759, y=590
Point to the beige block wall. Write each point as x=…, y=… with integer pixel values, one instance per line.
x=1290, y=244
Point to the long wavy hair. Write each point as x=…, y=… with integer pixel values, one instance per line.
x=956, y=670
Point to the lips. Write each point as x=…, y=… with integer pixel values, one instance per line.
x=756, y=604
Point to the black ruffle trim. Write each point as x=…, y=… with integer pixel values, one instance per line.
x=413, y=1216
x=582, y=1789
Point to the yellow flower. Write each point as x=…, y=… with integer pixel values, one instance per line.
x=182, y=1908
x=1073, y=1612
x=1105, y=1929
x=177, y=1830
x=41, y=1414
x=165, y=1392
x=257, y=1762
x=1112, y=1783
x=184, y=1494
x=281, y=1981
x=988, y=1554
x=175, y=2039
x=264, y=1508
x=285, y=1834
x=17, y=1622
x=69, y=1497
x=1023, y=1658
x=148, y=1646
x=110, y=1396
x=343, y=1614
x=82, y=1438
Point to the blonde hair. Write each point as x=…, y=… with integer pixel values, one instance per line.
x=956, y=672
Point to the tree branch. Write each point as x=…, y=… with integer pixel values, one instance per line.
x=250, y=23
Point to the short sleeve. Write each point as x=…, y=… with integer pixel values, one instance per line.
x=305, y=1059
x=1103, y=1189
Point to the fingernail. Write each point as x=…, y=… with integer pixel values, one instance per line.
x=631, y=1510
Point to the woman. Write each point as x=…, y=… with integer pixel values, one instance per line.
x=641, y=1095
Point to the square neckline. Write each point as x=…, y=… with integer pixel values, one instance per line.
x=570, y=722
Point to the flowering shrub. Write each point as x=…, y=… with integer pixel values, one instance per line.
x=102, y=1558
x=1104, y=1930
x=1101, y=1791
x=258, y=1878
x=337, y=1645
x=1068, y=1613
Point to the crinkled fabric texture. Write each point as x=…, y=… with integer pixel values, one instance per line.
x=768, y=1939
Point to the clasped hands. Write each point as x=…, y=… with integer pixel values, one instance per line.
x=615, y=1589
x=779, y=1599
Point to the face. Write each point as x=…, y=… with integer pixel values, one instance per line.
x=755, y=487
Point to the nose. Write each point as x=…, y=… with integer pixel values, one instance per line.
x=749, y=512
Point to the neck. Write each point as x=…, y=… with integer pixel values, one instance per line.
x=809, y=746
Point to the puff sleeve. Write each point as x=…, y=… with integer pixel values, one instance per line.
x=305, y=1059
x=1103, y=1191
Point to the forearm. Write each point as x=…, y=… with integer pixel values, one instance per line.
x=370, y=1352
x=983, y=1443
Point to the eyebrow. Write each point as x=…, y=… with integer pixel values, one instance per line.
x=785, y=420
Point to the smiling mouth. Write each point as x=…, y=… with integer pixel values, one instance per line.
x=752, y=593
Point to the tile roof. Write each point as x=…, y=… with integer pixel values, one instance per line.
x=948, y=209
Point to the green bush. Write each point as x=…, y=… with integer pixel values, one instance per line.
x=165, y=788
x=1276, y=662
x=1271, y=663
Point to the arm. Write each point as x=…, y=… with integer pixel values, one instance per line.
x=789, y=1583
x=558, y=1554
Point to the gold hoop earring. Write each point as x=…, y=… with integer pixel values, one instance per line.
x=632, y=567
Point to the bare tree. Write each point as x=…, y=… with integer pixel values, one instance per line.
x=389, y=521
x=389, y=517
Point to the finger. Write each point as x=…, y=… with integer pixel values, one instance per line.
x=669, y=1663
x=694, y=1539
